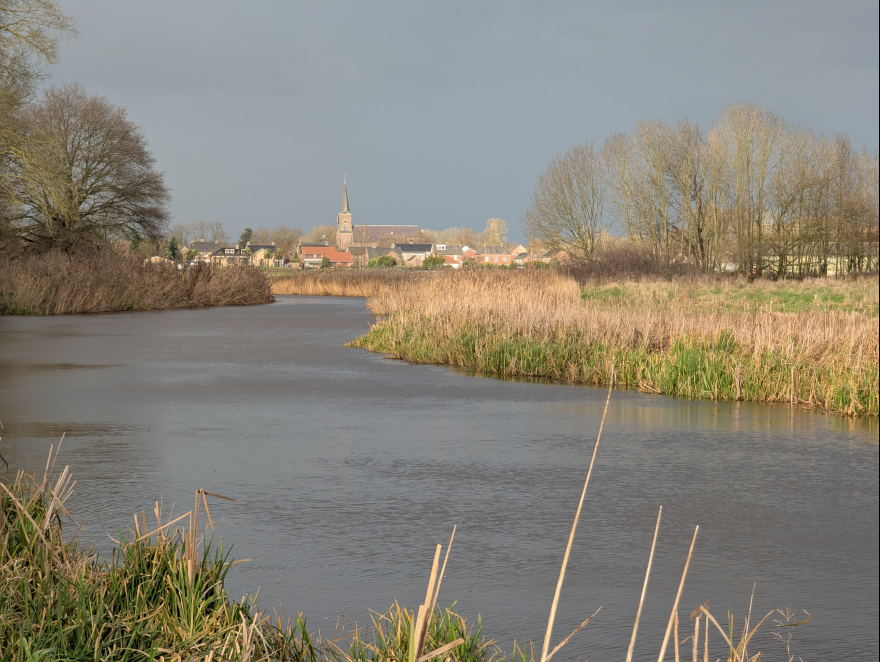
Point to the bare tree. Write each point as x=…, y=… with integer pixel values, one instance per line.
x=182, y=232
x=216, y=232
x=495, y=233
x=29, y=34
x=261, y=236
x=286, y=238
x=751, y=134
x=320, y=233
x=86, y=176
x=568, y=202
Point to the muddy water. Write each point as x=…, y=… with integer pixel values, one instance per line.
x=347, y=470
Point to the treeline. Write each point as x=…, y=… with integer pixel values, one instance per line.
x=753, y=194
x=74, y=170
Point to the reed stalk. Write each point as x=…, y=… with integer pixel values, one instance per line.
x=544, y=650
x=632, y=641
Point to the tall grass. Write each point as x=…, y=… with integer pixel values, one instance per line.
x=657, y=337
x=61, y=284
x=343, y=283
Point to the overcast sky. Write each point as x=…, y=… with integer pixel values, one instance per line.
x=444, y=113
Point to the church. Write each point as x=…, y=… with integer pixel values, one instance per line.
x=349, y=235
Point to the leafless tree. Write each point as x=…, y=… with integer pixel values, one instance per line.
x=86, y=175
x=568, y=202
x=286, y=238
x=262, y=236
x=320, y=233
x=495, y=233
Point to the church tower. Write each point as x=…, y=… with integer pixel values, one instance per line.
x=344, y=228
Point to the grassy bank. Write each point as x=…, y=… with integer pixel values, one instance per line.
x=60, y=284
x=162, y=596
x=716, y=339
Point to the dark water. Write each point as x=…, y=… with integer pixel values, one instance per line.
x=349, y=468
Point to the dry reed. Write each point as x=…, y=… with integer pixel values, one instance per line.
x=541, y=324
x=343, y=282
x=61, y=284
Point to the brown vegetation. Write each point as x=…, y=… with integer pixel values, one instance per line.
x=104, y=281
x=724, y=339
x=339, y=283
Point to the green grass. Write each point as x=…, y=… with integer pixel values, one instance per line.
x=9, y=307
x=735, y=296
x=162, y=595
x=690, y=367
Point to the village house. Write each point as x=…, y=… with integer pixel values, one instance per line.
x=252, y=254
x=312, y=256
x=205, y=249
x=412, y=255
x=495, y=255
x=361, y=255
x=455, y=255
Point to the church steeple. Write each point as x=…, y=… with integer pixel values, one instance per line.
x=343, y=209
x=344, y=227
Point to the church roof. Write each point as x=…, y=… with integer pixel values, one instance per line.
x=368, y=234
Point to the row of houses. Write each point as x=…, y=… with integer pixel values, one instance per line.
x=312, y=255
x=222, y=254
x=414, y=255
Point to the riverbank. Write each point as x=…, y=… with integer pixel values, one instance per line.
x=811, y=343
x=101, y=282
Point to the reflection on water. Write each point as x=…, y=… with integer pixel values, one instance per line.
x=348, y=468
x=65, y=367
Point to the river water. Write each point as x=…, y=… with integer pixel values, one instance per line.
x=348, y=469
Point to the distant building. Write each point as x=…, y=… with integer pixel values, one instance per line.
x=344, y=226
x=349, y=235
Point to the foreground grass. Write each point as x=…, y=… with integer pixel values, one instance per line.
x=60, y=284
x=696, y=339
x=162, y=597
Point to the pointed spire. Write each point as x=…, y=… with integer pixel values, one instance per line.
x=344, y=208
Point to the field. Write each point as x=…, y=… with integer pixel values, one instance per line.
x=809, y=343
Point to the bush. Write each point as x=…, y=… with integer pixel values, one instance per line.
x=434, y=262
x=383, y=262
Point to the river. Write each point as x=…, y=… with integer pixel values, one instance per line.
x=348, y=468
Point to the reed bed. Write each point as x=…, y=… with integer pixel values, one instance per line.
x=100, y=282
x=344, y=282
x=678, y=339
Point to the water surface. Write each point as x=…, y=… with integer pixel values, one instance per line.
x=348, y=468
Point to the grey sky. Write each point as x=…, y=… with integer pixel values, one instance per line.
x=444, y=113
